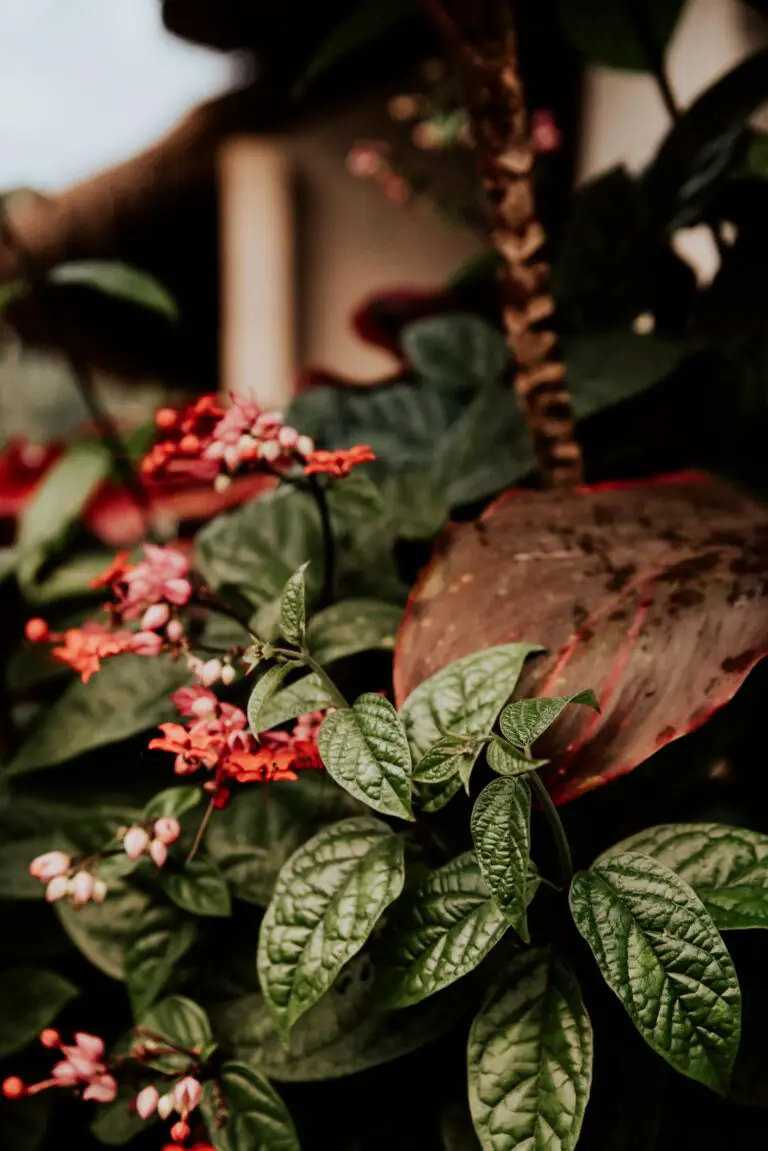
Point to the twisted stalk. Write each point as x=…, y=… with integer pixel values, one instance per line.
x=481, y=42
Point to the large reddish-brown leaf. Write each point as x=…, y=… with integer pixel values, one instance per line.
x=651, y=593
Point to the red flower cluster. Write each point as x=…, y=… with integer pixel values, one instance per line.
x=217, y=740
x=209, y=441
x=81, y=648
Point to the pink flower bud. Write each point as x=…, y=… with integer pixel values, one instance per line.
x=135, y=842
x=146, y=1102
x=177, y=591
x=175, y=630
x=287, y=437
x=57, y=888
x=204, y=706
x=14, y=1088
x=82, y=887
x=228, y=674
x=180, y=1131
x=147, y=643
x=155, y=617
x=102, y=1089
x=158, y=852
x=187, y=1094
x=50, y=1038
x=165, y=1106
x=167, y=829
x=91, y=1046
x=305, y=445
x=270, y=450
x=36, y=630
x=100, y=891
x=48, y=866
x=210, y=672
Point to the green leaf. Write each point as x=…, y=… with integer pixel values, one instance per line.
x=162, y=937
x=130, y=694
x=199, y=888
x=352, y=626
x=530, y=1058
x=504, y=761
x=113, y=278
x=61, y=495
x=258, y=547
x=605, y=33
x=103, y=932
x=445, y=759
x=24, y=1123
x=501, y=833
x=364, y=748
x=307, y=694
x=457, y=352
x=525, y=720
x=446, y=927
x=293, y=607
x=29, y=1001
x=10, y=292
x=173, y=803
x=328, y=898
x=658, y=949
x=726, y=866
x=258, y=1120
x=434, y=796
x=264, y=692
x=606, y=368
x=363, y=26
x=463, y=698
x=416, y=502
x=116, y=1124
x=185, y=1024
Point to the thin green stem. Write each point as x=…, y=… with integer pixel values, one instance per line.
x=326, y=679
x=556, y=827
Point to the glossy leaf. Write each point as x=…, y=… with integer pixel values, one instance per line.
x=445, y=928
x=726, y=866
x=456, y=352
x=501, y=833
x=173, y=802
x=445, y=759
x=530, y=1057
x=293, y=607
x=198, y=888
x=352, y=626
x=605, y=33
x=523, y=721
x=504, y=761
x=103, y=932
x=648, y=592
x=265, y=690
x=258, y=1120
x=307, y=694
x=115, y=1123
x=133, y=285
x=162, y=937
x=658, y=949
x=29, y=1001
x=364, y=748
x=328, y=898
x=185, y=1024
x=130, y=694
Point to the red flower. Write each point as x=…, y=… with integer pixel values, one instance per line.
x=192, y=751
x=339, y=463
x=114, y=573
x=263, y=766
x=84, y=648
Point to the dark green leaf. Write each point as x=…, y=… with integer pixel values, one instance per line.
x=307, y=694
x=130, y=694
x=605, y=368
x=102, y=932
x=327, y=901
x=530, y=1058
x=446, y=927
x=605, y=32
x=658, y=949
x=264, y=692
x=445, y=759
x=504, y=761
x=416, y=502
x=173, y=802
x=162, y=937
x=726, y=866
x=434, y=796
x=185, y=1024
x=120, y=280
x=116, y=1124
x=257, y=1118
x=501, y=833
x=352, y=626
x=199, y=888
x=293, y=607
x=525, y=720
x=29, y=1001
x=24, y=1123
x=61, y=495
x=368, y=21
x=457, y=352
x=364, y=748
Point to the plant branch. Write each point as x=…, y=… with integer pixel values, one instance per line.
x=329, y=547
x=201, y=831
x=481, y=41
x=556, y=826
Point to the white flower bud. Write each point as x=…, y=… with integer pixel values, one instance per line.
x=100, y=891
x=135, y=842
x=165, y=1106
x=305, y=445
x=81, y=888
x=228, y=674
x=158, y=852
x=146, y=1102
x=57, y=888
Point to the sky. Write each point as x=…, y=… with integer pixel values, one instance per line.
x=85, y=83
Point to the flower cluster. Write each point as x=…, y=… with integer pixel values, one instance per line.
x=183, y=1098
x=66, y=880
x=153, y=840
x=216, y=739
x=81, y=648
x=81, y=1067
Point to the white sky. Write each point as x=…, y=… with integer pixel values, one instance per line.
x=85, y=83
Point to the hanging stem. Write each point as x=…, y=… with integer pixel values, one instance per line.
x=556, y=826
x=481, y=40
x=329, y=547
x=201, y=831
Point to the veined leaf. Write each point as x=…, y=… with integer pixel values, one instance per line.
x=504, y=761
x=173, y=802
x=162, y=937
x=307, y=694
x=352, y=626
x=530, y=1058
x=258, y=1120
x=293, y=606
x=186, y=1025
x=446, y=927
x=501, y=833
x=327, y=901
x=445, y=759
x=364, y=748
x=726, y=866
x=102, y=932
x=29, y=1001
x=199, y=887
x=457, y=352
x=658, y=949
x=523, y=721
x=264, y=691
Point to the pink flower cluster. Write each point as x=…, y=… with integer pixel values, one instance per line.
x=153, y=840
x=64, y=880
x=82, y=1066
x=183, y=1098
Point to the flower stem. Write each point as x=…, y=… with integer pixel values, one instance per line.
x=329, y=547
x=201, y=832
x=556, y=827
